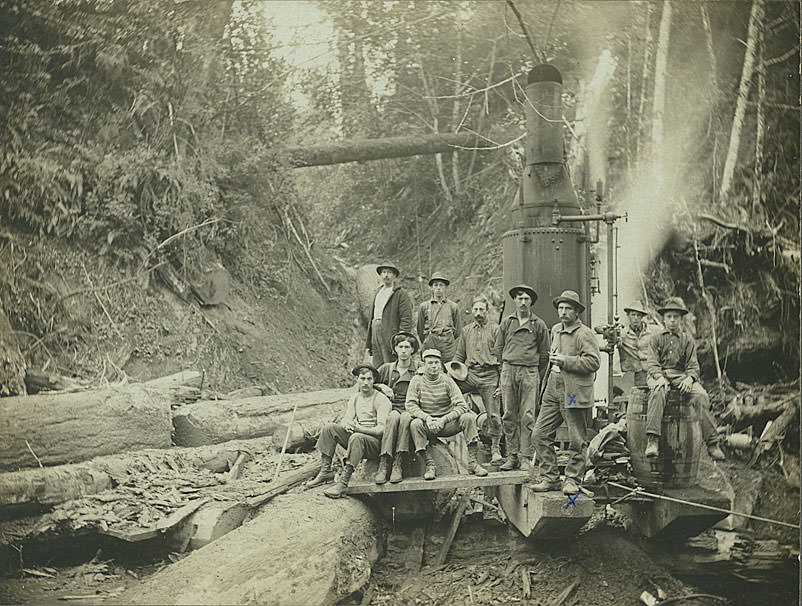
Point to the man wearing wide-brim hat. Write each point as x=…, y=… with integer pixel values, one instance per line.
x=437, y=408
x=671, y=363
x=439, y=322
x=633, y=343
x=479, y=372
x=574, y=358
x=391, y=312
x=522, y=346
x=360, y=431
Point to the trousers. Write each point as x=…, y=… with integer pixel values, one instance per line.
x=379, y=345
x=697, y=398
x=553, y=412
x=396, y=433
x=357, y=446
x=519, y=390
x=484, y=382
x=465, y=424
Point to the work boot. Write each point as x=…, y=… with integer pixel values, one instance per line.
x=338, y=490
x=431, y=472
x=652, y=447
x=715, y=452
x=526, y=464
x=544, y=485
x=473, y=465
x=495, y=451
x=511, y=463
x=383, y=470
x=570, y=486
x=326, y=474
x=397, y=474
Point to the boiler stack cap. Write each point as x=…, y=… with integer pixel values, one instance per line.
x=544, y=73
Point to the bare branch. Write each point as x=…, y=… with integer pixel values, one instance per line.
x=535, y=54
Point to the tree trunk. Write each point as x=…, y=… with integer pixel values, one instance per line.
x=362, y=150
x=659, y=100
x=757, y=184
x=647, y=58
x=711, y=53
x=321, y=562
x=755, y=20
x=51, y=429
x=215, y=421
x=12, y=364
x=21, y=490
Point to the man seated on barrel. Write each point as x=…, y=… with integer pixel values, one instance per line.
x=394, y=378
x=359, y=432
x=671, y=363
x=437, y=408
x=574, y=359
x=475, y=350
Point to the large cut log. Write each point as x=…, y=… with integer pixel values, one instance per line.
x=72, y=427
x=22, y=490
x=303, y=549
x=12, y=364
x=215, y=421
x=361, y=150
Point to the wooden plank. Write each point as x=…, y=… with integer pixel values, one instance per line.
x=143, y=534
x=414, y=555
x=452, y=531
x=441, y=483
x=293, y=479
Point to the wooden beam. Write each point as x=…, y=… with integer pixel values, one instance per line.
x=452, y=531
x=293, y=479
x=442, y=483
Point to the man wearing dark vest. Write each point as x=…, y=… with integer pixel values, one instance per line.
x=391, y=312
x=394, y=378
x=672, y=364
x=439, y=323
x=574, y=359
x=522, y=346
x=633, y=343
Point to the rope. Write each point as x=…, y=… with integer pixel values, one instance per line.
x=702, y=506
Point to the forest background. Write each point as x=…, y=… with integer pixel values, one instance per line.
x=144, y=145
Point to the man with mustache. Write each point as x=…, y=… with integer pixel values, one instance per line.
x=522, y=346
x=475, y=350
x=574, y=359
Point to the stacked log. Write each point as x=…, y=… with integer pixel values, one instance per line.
x=53, y=429
x=216, y=421
x=321, y=563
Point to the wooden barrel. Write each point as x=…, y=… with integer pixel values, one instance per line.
x=677, y=466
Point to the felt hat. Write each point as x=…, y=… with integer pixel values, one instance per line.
x=673, y=304
x=438, y=276
x=525, y=288
x=457, y=370
x=431, y=353
x=357, y=369
x=637, y=307
x=406, y=336
x=569, y=296
x=390, y=266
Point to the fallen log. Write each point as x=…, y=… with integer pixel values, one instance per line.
x=740, y=416
x=23, y=490
x=776, y=432
x=64, y=428
x=325, y=549
x=302, y=435
x=216, y=421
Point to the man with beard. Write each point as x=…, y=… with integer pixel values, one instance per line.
x=475, y=350
x=522, y=346
x=574, y=359
x=391, y=312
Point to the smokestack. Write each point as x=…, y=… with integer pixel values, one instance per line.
x=549, y=258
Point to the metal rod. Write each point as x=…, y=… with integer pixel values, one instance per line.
x=702, y=506
x=610, y=311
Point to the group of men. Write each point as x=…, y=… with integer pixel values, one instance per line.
x=542, y=378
